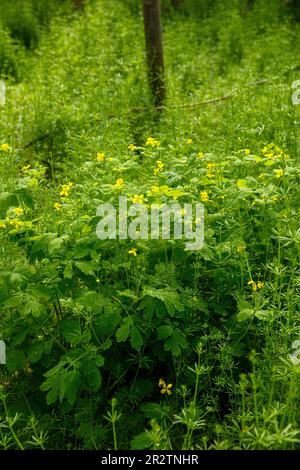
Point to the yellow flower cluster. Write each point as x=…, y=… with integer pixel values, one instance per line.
x=152, y=142
x=159, y=167
x=100, y=157
x=119, y=183
x=4, y=147
x=133, y=252
x=13, y=218
x=279, y=172
x=57, y=206
x=204, y=196
x=138, y=199
x=165, y=389
x=66, y=188
x=256, y=285
x=132, y=147
x=273, y=152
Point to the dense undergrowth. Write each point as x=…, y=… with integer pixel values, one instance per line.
x=96, y=329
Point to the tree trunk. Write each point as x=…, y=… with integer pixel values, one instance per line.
x=154, y=49
x=78, y=4
x=176, y=3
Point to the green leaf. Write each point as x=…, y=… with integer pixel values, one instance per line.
x=71, y=330
x=87, y=267
x=15, y=360
x=7, y=200
x=264, y=314
x=136, y=339
x=35, y=351
x=107, y=321
x=164, y=331
x=123, y=331
x=245, y=314
x=32, y=306
x=175, y=343
x=72, y=382
x=170, y=299
x=141, y=441
x=91, y=376
x=68, y=271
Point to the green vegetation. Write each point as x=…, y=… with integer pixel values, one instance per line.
x=142, y=344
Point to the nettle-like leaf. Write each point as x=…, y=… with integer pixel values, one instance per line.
x=68, y=271
x=106, y=322
x=15, y=360
x=136, y=339
x=91, y=376
x=175, y=343
x=123, y=331
x=164, y=331
x=169, y=298
x=71, y=330
x=87, y=267
x=26, y=304
x=61, y=383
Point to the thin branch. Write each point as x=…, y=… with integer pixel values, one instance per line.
x=225, y=97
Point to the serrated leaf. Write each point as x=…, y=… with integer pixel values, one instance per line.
x=245, y=314
x=175, y=343
x=164, y=331
x=91, y=377
x=71, y=386
x=15, y=360
x=106, y=322
x=71, y=331
x=141, y=441
x=136, y=339
x=68, y=271
x=123, y=331
x=86, y=267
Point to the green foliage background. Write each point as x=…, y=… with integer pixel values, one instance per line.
x=90, y=329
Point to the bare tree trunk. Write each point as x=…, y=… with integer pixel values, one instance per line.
x=176, y=3
x=154, y=48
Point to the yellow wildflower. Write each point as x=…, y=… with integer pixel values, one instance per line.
x=18, y=211
x=133, y=252
x=189, y=141
x=166, y=389
x=16, y=223
x=100, y=157
x=240, y=249
x=152, y=142
x=253, y=284
x=279, y=172
x=155, y=189
x=138, y=199
x=204, y=196
x=247, y=151
x=210, y=166
x=4, y=147
x=200, y=155
x=132, y=147
x=25, y=168
x=210, y=175
x=57, y=206
x=260, y=284
x=66, y=188
x=161, y=383
x=159, y=167
x=119, y=183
